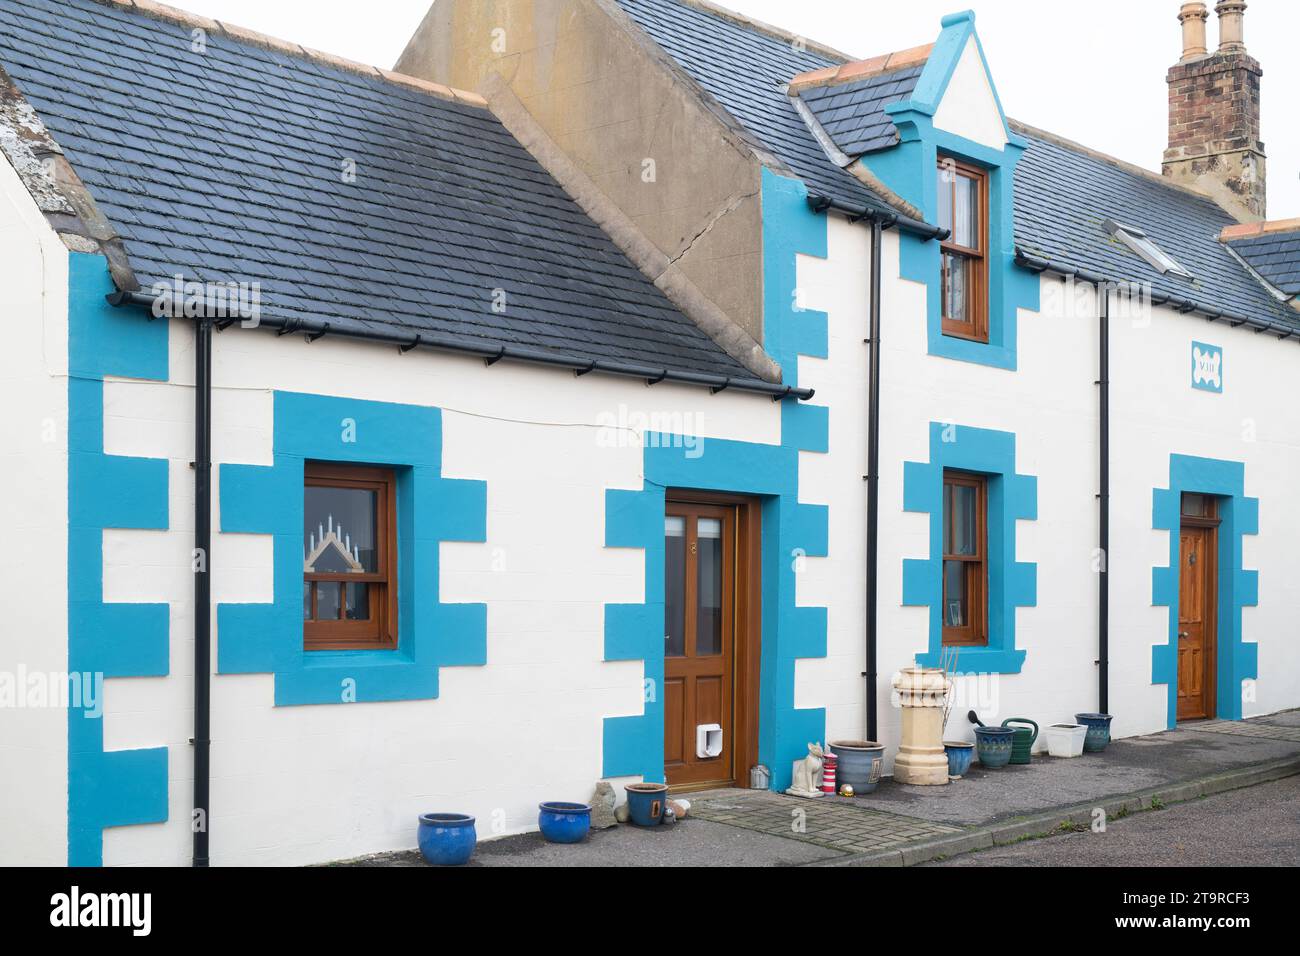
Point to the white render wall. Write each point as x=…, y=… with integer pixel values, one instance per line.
x=33, y=514
x=310, y=784
x=1156, y=412
x=1050, y=403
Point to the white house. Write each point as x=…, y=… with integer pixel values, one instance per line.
x=611, y=369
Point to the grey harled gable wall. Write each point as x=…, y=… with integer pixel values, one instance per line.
x=602, y=93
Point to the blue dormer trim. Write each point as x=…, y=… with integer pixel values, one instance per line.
x=910, y=170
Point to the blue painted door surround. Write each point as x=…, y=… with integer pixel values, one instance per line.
x=1237, y=660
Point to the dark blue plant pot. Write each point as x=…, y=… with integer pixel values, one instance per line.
x=447, y=839
x=994, y=746
x=1098, y=731
x=646, y=802
x=564, y=822
x=959, y=758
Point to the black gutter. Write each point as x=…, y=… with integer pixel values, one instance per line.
x=1103, y=536
x=887, y=217
x=317, y=328
x=202, y=584
x=1211, y=314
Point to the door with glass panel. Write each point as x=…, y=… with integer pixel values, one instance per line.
x=699, y=644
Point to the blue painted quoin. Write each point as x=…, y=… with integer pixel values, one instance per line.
x=910, y=169
x=267, y=638
x=1239, y=515
x=1011, y=498
x=121, y=787
x=634, y=745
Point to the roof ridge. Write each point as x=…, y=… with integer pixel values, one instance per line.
x=1148, y=174
x=779, y=33
x=862, y=69
x=170, y=14
x=1248, y=230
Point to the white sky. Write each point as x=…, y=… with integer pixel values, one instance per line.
x=1091, y=71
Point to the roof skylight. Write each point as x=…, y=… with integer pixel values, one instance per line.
x=1140, y=243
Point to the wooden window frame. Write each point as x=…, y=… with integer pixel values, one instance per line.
x=975, y=633
x=380, y=632
x=977, y=329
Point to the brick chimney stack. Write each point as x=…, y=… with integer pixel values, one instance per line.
x=1214, y=143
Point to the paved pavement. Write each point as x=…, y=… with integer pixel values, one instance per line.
x=1255, y=826
x=908, y=825
x=1130, y=765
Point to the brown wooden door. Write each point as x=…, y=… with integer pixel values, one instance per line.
x=1197, y=608
x=699, y=641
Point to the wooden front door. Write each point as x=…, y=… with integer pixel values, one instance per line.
x=1197, y=609
x=699, y=643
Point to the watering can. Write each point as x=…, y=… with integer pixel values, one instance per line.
x=1022, y=745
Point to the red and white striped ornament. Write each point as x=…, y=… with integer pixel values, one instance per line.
x=828, y=774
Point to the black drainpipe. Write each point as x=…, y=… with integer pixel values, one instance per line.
x=1103, y=577
x=880, y=220
x=202, y=583
x=873, y=477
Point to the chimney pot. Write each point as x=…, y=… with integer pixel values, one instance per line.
x=1232, y=26
x=1193, y=16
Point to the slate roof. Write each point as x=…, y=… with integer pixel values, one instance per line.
x=228, y=166
x=1063, y=192
x=1275, y=256
x=853, y=114
x=747, y=71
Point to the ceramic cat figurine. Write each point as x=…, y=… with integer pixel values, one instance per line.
x=807, y=774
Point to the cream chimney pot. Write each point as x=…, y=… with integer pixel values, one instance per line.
x=1232, y=27
x=1193, y=16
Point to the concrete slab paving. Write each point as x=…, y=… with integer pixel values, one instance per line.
x=688, y=843
x=1138, y=763
x=903, y=825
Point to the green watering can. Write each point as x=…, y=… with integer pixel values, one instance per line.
x=1022, y=743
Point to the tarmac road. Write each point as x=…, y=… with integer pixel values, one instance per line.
x=1254, y=826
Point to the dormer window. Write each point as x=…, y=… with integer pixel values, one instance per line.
x=1145, y=247
x=963, y=211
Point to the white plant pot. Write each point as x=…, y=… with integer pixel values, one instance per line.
x=1065, y=740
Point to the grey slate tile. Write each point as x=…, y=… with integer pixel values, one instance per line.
x=228, y=166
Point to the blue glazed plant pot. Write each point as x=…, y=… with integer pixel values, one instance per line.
x=564, y=822
x=959, y=758
x=1098, y=731
x=646, y=802
x=994, y=746
x=447, y=839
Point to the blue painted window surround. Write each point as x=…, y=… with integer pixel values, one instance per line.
x=1238, y=661
x=909, y=169
x=268, y=638
x=1011, y=584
